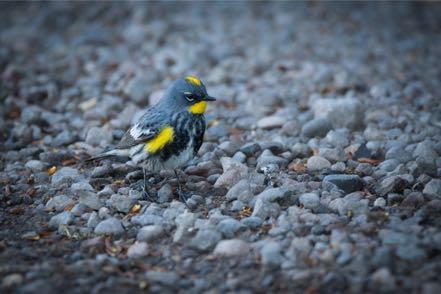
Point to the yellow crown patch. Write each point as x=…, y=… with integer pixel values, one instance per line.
x=193, y=80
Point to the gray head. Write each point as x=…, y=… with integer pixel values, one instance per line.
x=187, y=93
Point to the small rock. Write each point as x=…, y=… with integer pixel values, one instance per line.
x=90, y=199
x=97, y=136
x=35, y=165
x=63, y=218
x=109, y=226
x=317, y=163
x=271, y=254
x=233, y=172
x=122, y=203
x=391, y=184
x=59, y=202
x=253, y=222
x=433, y=188
x=169, y=279
x=240, y=190
x=184, y=222
x=273, y=194
x=353, y=203
x=65, y=175
x=309, y=200
x=346, y=183
x=205, y=240
x=150, y=233
x=93, y=220
x=137, y=250
x=138, y=89
x=230, y=227
x=165, y=194
x=271, y=122
x=318, y=127
x=384, y=279
x=341, y=112
x=380, y=202
x=233, y=247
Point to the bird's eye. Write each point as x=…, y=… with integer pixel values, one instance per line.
x=189, y=96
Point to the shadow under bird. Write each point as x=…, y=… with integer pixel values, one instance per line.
x=169, y=134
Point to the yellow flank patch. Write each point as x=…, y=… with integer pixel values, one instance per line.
x=198, y=108
x=164, y=137
x=193, y=80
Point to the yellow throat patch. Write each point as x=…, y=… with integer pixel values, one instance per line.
x=164, y=137
x=193, y=80
x=198, y=108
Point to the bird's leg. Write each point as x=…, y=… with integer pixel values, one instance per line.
x=181, y=193
x=145, y=188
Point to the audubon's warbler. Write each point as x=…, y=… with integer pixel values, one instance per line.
x=170, y=133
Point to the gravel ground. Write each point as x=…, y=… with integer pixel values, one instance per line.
x=320, y=170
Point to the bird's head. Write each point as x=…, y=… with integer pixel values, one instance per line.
x=188, y=93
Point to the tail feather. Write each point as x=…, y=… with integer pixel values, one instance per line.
x=115, y=152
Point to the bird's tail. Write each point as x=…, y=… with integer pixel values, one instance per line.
x=109, y=153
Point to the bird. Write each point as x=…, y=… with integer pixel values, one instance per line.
x=169, y=133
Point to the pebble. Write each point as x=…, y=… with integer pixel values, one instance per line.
x=230, y=227
x=36, y=165
x=309, y=200
x=271, y=122
x=233, y=172
x=253, y=222
x=90, y=199
x=109, y=226
x=346, y=183
x=317, y=163
x=138, y=249
x=341, y=112
x=63, y=218
x=165, y=194
x=150, y=233
x=97, y=136
x=122, y=203
x=231, y=248
x=318, y=127
x=205, y=240
x=59, y=202
x=391, y=184
x=65, y=175
x=433, y=188
x=271, y=254
x=352, y=203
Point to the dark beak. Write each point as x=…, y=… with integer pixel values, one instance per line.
x=209, y=98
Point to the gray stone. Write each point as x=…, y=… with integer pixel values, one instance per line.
x=271, y=254
x=433, y=188
x=138, y=89
x=169, y=279
x=253, y=222
x=233, y=247
x=398, y=153
x=184, y=222
x=353, y=203
x=391, y=184
x=64, y=138
x=205, y=240
x=274, y=194
x=309, y=200
x=36, y=165
x=317, y=127
x=425, y=152
x=138, y=249
x=346, y=183
x=165, y=194
x=301, y=150
x=81, y=186
x=388, y=165
x=390, y=237
x=93, y=220
x=250, y=148
x=317, y=163
x=147, y=219
x=97, y=136
x=333, y=154
x=109, y=226
x=65, y=175
x=59, y=202
x=150, y=233
x=122, y=203
x=90, y=199
x=411, y=252
x=338, y=138
x=271, y=122
x=233, y=172
x=240, y=190
x=230, y=227
x=380, y=202
x=63, y=218
x=341, y=112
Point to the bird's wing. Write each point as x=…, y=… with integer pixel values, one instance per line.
x=147, y=127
